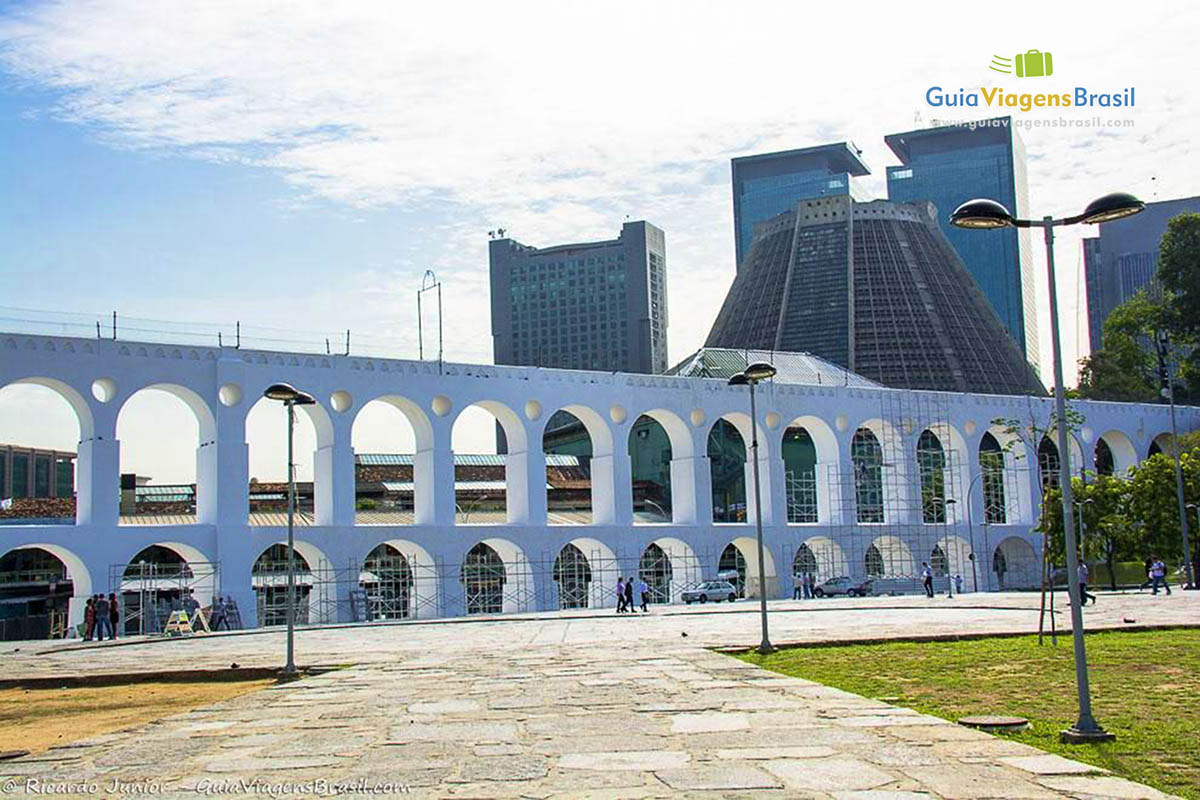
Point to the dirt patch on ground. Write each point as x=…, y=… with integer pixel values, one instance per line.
x=35, y=719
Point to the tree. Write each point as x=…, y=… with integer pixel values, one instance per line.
x=1126, y=367
x=1103, y=512
x=1179, y=271
x=1153, y=502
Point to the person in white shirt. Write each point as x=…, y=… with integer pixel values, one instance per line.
x=927, y=579
x=1082, y=575
x=1158, y=574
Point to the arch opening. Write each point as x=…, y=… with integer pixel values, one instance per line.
x=38, y=451
x=991, y=463
x=392, y=461
x=315, y=585
x=800, y=472
x=727, y=468
x=266, y=439
x=931, y=469
x=1014, y=565
x=36, y=588
x=386, y=580
x=650, y=457
x=669, y=567
x=491, y=481
x=496, y=578
x=866, y=454
x=161, y=578
x=568, y=447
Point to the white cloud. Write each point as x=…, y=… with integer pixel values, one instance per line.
x=555, y=120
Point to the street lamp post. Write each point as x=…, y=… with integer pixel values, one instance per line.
x=758, y=371
x=983, y=214
x=291, y=397
x=971, y=532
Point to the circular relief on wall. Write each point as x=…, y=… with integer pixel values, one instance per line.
x=618, y=414
x=104, y=389
x=230, y=394
x=773, y=420
x=842, y=422
x=441, y=405
x=970, y=427
x=697, y=417
x=533, y=409
x=341, y=400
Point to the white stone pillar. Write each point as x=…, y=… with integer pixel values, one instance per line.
x=98, y=482
x=612, y=490
x=433, y=481
x=684, y=484
x=333, y=473
x=525, y=475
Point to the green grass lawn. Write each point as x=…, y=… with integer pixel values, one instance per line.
x=1145, y=689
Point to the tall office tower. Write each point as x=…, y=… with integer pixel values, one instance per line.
x=876, y=288
x=771, y=183
x=953, y=164
x=1124, y=259
x=599, y=305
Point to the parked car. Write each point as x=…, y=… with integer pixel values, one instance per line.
x=843, y=585
x=710, y=590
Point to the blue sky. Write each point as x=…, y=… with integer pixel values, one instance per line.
x=301, y=165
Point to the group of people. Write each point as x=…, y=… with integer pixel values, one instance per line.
x=803, y=589
x=101, y=615
x=625, y=595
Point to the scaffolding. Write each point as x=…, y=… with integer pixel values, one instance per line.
x=149, y=591
x=316, y=589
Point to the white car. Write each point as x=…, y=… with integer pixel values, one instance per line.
x=710, y=590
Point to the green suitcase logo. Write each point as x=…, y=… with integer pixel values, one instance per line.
x=1034, y=64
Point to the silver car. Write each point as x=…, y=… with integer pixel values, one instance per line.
x=710, y=590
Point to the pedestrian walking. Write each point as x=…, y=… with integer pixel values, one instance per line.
x=1146, y=569
x=1158, y=574
x=629, y=595
x=644, y=591
x=89, y=618
x=958, y=583
x=798, y=588
x=1081, y=575
x=927, y=579
x=103, y=622
x=620, y=595
x=810, y=583
x=114, y=614
x=220, y=615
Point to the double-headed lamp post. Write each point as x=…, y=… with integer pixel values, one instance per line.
x=758, y=371
x=291, y=397
x=988, y=214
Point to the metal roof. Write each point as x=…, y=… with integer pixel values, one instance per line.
x=477, y=486
x=460, y=460
x=794, y=368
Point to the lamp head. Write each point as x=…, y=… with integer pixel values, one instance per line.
x=983, y=214
x=286, y=393
x=739, y=379
x=760, y=371
x=1110, y=207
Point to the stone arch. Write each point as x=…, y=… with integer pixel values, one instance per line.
x=74, y=568
x=653, y=473
x=728, y=462
x=669, y=566
x=957, y=553
x=1124, y=454
x=316, y=598
x=603, y=569
x=932, y=465
x=1014, y=565
x=496, y=577
x=808, y=496
x=387, y=492
x=745, y=562
x=866, y=457
x=831, y=559
x=895, y=557
x=175, y=501
x=1162, y=443
x=993, y=462
x=73, y=398
x=404, y=579
x=596, y=465
x=160, y=577
x=521, y=481
x=958, y=469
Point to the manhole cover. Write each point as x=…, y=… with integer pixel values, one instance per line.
x=994, y=722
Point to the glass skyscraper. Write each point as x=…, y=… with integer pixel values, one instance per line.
x=769, y=184
x=950, y=165
x=596, y=305
x=1123, y=259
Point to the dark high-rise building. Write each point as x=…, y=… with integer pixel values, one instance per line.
x=876, y=288
x=1123, y=259
x=599, y=305
x=950, y=165
x=770, y=183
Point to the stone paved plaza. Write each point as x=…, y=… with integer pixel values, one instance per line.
x=586, y=705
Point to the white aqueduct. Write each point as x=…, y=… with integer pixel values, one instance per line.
x=220, y=384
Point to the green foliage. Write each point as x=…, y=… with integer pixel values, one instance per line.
x=1109, y=534
x=366, y=504
x=1179, y=271
x=1145, y=689
x=1154, y=503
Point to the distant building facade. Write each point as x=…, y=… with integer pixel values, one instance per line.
x=33, y=473
x=876, y=288
x=592, y=306
x=1123, y=259
x=948, y=166
x=769, y=184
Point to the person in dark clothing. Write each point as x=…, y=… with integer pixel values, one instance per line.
x=620, y=595
x=114, y=614
x=89, y=619
x=103, y=622
x=629, y=596
x=927, y=579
